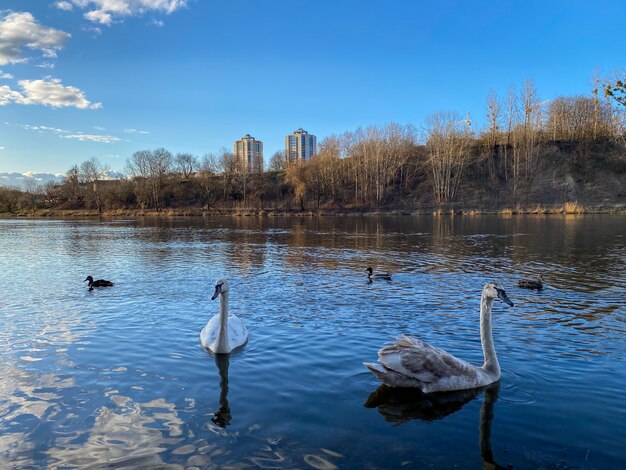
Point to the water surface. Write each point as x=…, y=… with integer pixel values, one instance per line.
x=117, y=377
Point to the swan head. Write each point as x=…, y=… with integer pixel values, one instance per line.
x=369, y=270
x=493, y=290
x=89, y=278
x=221, y=286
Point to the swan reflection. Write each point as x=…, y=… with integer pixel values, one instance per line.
x=399, y=405
x=222, y=416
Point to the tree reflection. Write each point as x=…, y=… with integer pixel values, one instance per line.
x=400, y=405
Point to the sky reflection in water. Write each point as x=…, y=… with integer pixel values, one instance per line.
x=117, y=377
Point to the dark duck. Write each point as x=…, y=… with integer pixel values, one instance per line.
x=536, y=283
x=98, y=283
x=371, y=276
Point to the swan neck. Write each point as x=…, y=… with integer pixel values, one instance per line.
x=222, y=334
x=491, y=364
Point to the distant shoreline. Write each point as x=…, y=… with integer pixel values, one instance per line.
x=569, y=208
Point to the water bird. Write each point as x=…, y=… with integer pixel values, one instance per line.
x=98, y=283
x=410, y=362
x=536, y=283
x=372, y=277
x=223, y=332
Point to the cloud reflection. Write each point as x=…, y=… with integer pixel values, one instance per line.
x=128, y=434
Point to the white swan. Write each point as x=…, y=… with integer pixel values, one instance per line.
x=223, y=332
x=410, y=362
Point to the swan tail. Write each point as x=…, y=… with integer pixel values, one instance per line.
x=378, y=370
x=391, y=377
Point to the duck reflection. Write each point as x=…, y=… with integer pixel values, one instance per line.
x=399, y=405
x=222, y=416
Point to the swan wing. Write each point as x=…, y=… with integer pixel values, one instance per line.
x=237, y=332
x=208, y=335
x=427, y=364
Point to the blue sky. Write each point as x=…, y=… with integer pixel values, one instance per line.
x=194, y=75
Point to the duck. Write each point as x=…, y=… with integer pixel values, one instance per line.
x=536, y=283
x=98, y=283
x=411, y=362
x=223, y=333
x=373, y=277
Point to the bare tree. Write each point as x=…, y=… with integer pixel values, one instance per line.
x=296, y=177
x=32, y=189
x=511, y=115
x=185, y=164
x=493, y=131
x=149, y=169
x=207, y=170
x=91, y=172
x=448, y=155
x=138, y=168
x=160, y=164
x=579, y=118
x=51, y=192
x=70, y=187
x=278, y=162
x=9, y=198
x=531, y=104
x=227, y=165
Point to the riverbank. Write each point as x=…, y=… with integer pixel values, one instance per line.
x=537, y=209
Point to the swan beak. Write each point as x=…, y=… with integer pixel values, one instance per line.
x=85, y=280
x=218, y=290
x=503, y=297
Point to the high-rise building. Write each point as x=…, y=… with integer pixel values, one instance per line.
x=249, y=154
x=300, y=145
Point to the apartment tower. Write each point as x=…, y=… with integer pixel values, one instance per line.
x=249, y=154
x=299, y=146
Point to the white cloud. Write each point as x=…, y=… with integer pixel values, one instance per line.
x=157, y=23
x=107, y=139
x=48, y=92
x=135, y=131
x=62, y=5
x=45, y=65
x=99, y=16
x=19, y=179
x=107, y=11
x=68, y=134
x=20, y=30
x=8, y=96
x=92, y=29
x=6, y=76
x=43, y=129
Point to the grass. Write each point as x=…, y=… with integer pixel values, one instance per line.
x=567, y=208
x=573, y=208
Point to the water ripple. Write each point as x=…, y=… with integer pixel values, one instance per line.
x=116, y=377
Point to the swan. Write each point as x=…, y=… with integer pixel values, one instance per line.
x=371, y=276
x=223, y=332
x=98, y=283
x=536, y=283
x=410, y=362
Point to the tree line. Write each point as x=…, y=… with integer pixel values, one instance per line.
x=371, y=167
